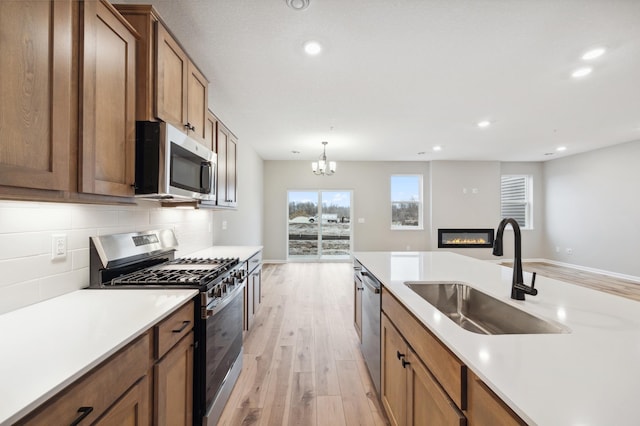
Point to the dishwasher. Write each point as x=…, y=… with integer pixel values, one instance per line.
x=371, y=300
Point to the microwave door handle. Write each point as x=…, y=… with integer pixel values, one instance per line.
x=205, y=176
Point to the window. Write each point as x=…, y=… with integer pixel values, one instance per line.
x=515, y=199
x=406, y=202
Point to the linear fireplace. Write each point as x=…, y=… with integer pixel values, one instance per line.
x=465, y=238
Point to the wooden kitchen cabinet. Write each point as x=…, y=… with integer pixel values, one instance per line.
x=357, y=304
x=410, y=394
x=171, y=87
x=210, y=131
x=37, y=112
x=226, y=147
x=253, y=289
x=107, y=127
x=485, y=408
x=116, y=388
x=173, y=369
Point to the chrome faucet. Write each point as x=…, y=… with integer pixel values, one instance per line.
x=518, y=287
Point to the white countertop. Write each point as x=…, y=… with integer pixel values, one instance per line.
x=48, y=345
x=243, y=252
x=590, y=376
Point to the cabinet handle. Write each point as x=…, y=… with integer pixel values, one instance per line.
x=184, y=325
x=399, y=355
x=405, y=363
x=190, y=126
x=84, y=412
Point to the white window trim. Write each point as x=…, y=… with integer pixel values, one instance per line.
x=420, y=226
x=529, y=201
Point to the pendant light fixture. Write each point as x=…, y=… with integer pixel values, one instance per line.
x=322, y=166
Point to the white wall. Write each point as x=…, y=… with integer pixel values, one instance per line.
x=370, y=183
x=593, y=207
x=244, y=224
x=27, y=273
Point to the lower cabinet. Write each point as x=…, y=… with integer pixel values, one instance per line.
x=410, y=393
x=253, y=289
x=424, y=383
x=131, y=409
x=485, y=408
x=149, y=381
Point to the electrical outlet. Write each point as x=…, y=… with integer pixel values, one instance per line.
x=58, y=246
x=557, y=249
x=361, y=220
x=569, y=251
x=224, y=225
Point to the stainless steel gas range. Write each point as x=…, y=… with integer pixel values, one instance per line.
x=146, y=260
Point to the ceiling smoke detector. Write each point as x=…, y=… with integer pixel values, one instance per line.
x=298, y=4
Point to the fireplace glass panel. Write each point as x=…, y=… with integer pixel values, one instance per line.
x=465, y=238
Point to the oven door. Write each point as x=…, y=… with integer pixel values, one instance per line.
x=223, y=353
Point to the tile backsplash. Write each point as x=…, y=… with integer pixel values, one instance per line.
x=29, y=275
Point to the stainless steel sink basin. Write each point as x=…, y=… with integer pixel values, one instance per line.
x=480, y=313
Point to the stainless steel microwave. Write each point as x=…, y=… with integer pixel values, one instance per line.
x=172, y=166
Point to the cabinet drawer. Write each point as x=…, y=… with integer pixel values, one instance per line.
x=171, y=330
x=444, y=365
x=254, y=261
x=97, y=390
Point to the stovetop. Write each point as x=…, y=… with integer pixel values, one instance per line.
x=190, y=272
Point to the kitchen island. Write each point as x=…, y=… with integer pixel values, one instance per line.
x=588, y=376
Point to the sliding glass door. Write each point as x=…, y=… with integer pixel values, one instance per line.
x=319, y=225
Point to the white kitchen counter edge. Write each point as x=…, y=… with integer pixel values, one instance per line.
x=51, y=344
x=547, y=379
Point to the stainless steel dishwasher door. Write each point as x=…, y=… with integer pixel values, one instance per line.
x=370, y=346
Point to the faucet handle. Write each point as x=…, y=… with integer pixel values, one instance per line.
x=533, y=280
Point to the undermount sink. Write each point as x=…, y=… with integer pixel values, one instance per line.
x=480, y=313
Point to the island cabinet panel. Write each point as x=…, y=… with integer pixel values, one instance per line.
x=410, y=393
x=37, y=115
x=485, y=408
x=449, y=371
x=108, y=102
x=98, y=391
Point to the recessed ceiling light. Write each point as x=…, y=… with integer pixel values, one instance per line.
x=295, y=152
x=593, y=53
x=561, y=148
x=581, y=72
x=437, y=148
x=298, y=4
x=484, y=123
x=312, y=48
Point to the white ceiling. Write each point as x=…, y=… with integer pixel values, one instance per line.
x=397, y=77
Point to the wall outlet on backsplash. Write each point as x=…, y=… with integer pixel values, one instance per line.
x=58, y=246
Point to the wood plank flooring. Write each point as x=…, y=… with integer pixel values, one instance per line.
x=606, y=283
x=302, y=363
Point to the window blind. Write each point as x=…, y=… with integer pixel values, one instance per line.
x=514, y=198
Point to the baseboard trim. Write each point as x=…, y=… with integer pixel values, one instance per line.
x=578, y=267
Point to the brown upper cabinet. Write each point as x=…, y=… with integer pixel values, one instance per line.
x=226, y=148
x=107, y=102
x=37, y=115
x=170, y=86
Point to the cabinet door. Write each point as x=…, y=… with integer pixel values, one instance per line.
x=171, y=79
x=256, y=283
x=197, y=92
x=210, y=132
x=249, y=301
x=221, y=149
x=108, y=102
x=174, y=385
x=394, y=377
x=232, y=175
x=36, y=121
x=357, y=311
x=485, y=408
x=131, y=409
x=427, y=402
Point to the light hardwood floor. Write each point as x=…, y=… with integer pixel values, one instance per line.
x=606, y=283
x=302, y=363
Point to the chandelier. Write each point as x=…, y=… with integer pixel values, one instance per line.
x=322, y=166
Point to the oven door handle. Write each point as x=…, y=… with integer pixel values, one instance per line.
x=208, y=313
